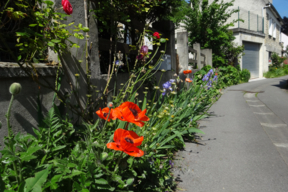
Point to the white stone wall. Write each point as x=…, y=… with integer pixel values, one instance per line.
x=284, y=40
x=263, y=63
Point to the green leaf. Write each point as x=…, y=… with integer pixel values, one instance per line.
x=35, y=183
x=2, y=184
x=101, y=181
x=32, y=25
x=56, y=40
x=58, y=148
x=74, y=173
x=49, y=2
x=19, y=57
x=129, y=181
x=51, y=44
x=162, y=40
x=85, y=29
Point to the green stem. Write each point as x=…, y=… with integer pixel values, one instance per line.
x=10, y=133
x=119, y=159
x=8, y=117
x=126, y=127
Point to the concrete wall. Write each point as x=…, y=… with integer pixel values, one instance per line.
x=272, y=44
x=24, y=109
x=263, y=63
x=284, y=39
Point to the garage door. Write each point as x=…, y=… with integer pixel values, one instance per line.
x=250, y=60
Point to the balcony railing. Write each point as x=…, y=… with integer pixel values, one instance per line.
x=251, y=22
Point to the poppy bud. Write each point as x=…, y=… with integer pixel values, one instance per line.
x=162, y=51
x=110, y=105
x=104, y=156
x=163, y=70
x=156, y=87
x=15, y=88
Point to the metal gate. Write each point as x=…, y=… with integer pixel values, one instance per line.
x=250, y=60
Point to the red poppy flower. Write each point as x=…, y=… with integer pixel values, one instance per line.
x=188, y=80
x=130, y=112
x=67, y=7
x=216, y=73
x=126, y=141
x=157, y=35
x=187, y=71
x=103, y=114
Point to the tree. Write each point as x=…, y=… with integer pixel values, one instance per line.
x=285, y=25
x=206, y=24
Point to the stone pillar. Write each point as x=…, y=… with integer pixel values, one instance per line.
x=208, y=54
x=197, y=47
x=182, y=50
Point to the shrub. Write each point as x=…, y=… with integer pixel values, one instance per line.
x=277, y=61
x=245, y=75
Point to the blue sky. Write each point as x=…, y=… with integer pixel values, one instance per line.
x=282, y=7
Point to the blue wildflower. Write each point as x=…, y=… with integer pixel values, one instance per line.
x=171, y=163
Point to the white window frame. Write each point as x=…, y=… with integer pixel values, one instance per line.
x=274, y=30
x=270, y=27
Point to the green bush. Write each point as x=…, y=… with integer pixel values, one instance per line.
x=277, y=61
x=276, y=71
x=226, y=76
x=245, y=75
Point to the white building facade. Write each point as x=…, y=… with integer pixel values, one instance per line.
x=259, y=32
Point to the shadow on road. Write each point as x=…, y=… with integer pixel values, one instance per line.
x=283, y=84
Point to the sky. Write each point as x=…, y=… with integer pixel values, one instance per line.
x=281, y=6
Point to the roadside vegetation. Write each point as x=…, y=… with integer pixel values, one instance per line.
x=278, y=68
x=130, y=145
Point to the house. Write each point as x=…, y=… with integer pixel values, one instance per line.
x=284, y=40
x=259, y=32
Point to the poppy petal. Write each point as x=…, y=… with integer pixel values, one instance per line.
x=139, y=123
x=128, y=115
x=134, y=151
x=114, y=146
x=135, y=138
x=118, y=135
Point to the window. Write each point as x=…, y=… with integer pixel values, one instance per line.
x=269, y=57
x=280, y=34
x=270, y=27
x=274, y=30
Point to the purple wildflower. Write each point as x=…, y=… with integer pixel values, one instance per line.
x=140, y=57
x=171, y=163
x=144, y=50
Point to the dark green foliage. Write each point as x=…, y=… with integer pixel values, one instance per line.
x=227, y=76
x=209, y=28
x=277, y=61
x=245, y=75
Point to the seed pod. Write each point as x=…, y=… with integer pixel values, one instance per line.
x=15, y=88
x=110, y=105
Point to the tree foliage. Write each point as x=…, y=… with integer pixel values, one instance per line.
x=285, y=25
x=207, y=24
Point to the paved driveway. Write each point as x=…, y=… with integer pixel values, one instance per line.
x=245, y=148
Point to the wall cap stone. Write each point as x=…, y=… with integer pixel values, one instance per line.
x=241, y=30
x=10, y=69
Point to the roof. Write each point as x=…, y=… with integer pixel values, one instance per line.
x=275, y=12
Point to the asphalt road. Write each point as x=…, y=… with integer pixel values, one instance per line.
x=245, y=146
